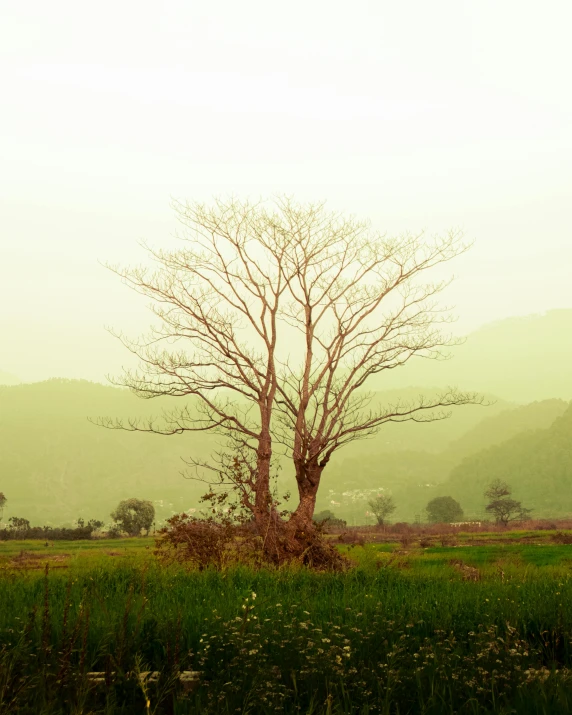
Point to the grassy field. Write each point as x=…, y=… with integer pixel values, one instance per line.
x=443, y=629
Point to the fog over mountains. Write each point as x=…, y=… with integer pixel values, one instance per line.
x=536, y=462
x=55, y=465
x=519, y=359
x=530, y=447
x=7, y=378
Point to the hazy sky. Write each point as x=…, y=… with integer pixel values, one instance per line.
x=414, y=114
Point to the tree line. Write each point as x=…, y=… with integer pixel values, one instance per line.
x=131, y=517
x=446, y=510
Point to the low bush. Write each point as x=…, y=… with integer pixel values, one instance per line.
x=203, y=543
x=328, y=519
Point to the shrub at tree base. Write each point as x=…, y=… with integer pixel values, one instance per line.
x=219, y=542
x=202, y=542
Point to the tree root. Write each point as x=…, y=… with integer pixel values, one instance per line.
x=308, y=548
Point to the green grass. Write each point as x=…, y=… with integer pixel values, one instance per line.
x=9, y=549
x=391, y=635
x=487, y=558
x=510, y=535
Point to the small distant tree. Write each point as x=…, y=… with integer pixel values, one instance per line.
x=497, y=490
x=3, y=501
x=18, y=523
x=502, y=506
x=382, y=506
x=92, y=524
x=134, y=515
x=444, y=510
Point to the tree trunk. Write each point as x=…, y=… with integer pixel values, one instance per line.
x=308, y=480
x=268, y=524
x=301, y=540
x=262, y=498
x=296, y=539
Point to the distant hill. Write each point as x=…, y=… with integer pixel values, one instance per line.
x=494, y=429
x=428, y=437
x=415, y=477
x=7, y=378
x=519, y=359
x=536, y=463
x=56, y=466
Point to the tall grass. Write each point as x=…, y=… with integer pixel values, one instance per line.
x=377, y=639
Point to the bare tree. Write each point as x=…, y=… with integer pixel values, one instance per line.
x=358, y=300
x=502, y=506
x=497, y=489
x=217, y=300
x=230, y=303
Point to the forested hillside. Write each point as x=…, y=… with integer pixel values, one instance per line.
x=415, y=477
x=55, y=465
x=495, y=429
x=537, y=463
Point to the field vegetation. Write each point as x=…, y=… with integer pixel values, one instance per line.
x=426, y=620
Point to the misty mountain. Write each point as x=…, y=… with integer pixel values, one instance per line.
x=415, y=477
x=433, y=436
x=55, y=465
x=536, y=463
x=494, y=429
x=520, y=359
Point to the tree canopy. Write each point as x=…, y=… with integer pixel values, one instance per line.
x=382, y=505
x=444, y=510
x=134, y=515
